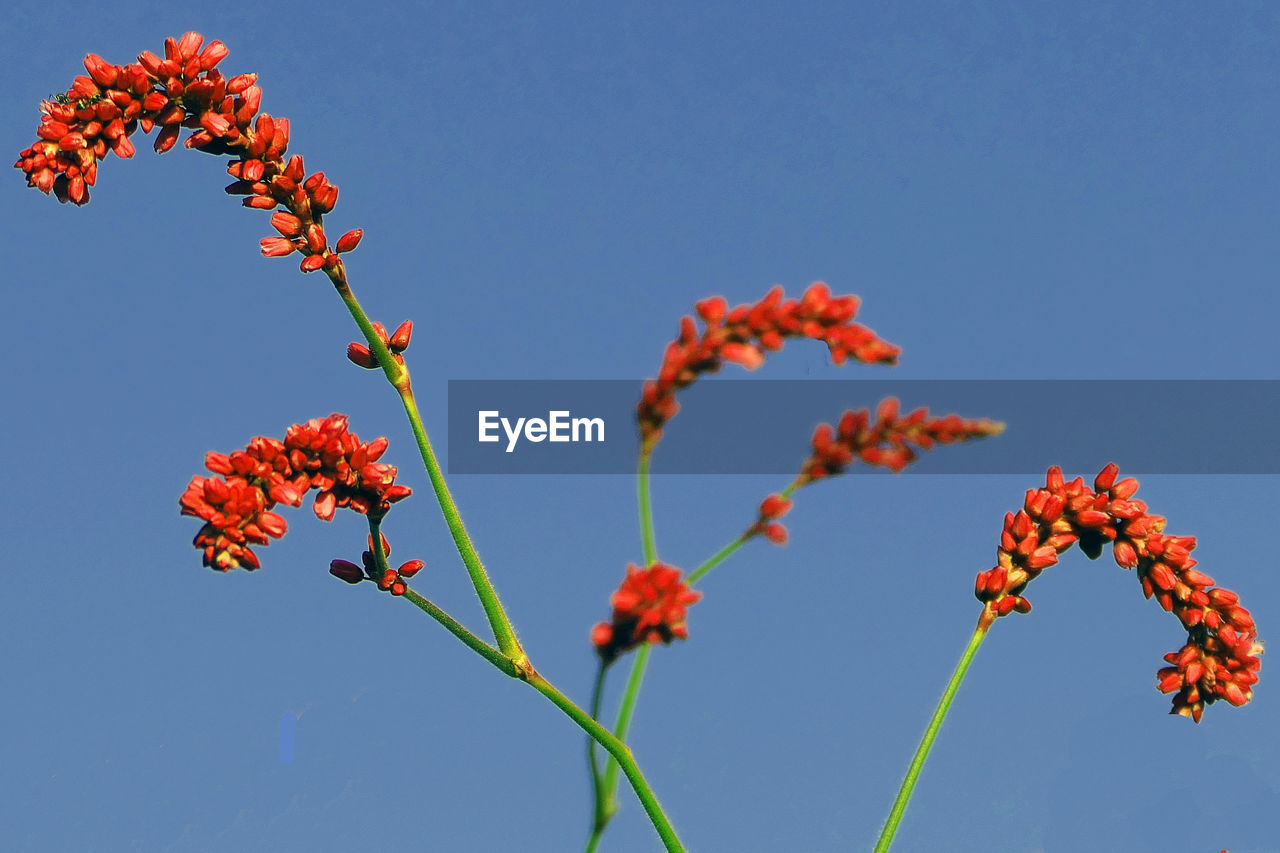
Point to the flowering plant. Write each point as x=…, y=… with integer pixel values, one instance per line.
x=101, y=111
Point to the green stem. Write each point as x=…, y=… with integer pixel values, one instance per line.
x=626, y=711
x=598, y=733
x=453, y=626
x=620, y=752
x=930, y=734
x=503, y=631
x=398, y=375
x=716, y=559
x=473, y=642
x=647, y=537
x=603, y=805
x=724, y=553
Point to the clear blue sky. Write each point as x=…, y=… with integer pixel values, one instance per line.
x=1015, y=190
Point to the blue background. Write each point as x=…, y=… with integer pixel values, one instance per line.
x=1015, y=190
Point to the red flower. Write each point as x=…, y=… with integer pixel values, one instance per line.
x=343, y=467
x=321, y=454
x=744, y=335
x=886, y=442
x=99, y=113
x=235, y=515
x=1220, y=659
x=649, y=607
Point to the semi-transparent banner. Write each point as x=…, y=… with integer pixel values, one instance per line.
x=751, y=426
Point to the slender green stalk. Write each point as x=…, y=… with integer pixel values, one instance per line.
x=472, y=642
x=453, y=626
x=523, y=670
x=604, y=801
x=647, y=537
x=604, y=794
x=620, y=752
x=930, y=734
x=597, y=833
x=626, y=711
x=727, y=551
x=603, y=805
x=716, y=559
x=503, y=631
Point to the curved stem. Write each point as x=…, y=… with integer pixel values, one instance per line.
x=620, y=752
x=523, y=670
x=930, y=734
x=626, y=710
x=398, y=375
x=603, y=804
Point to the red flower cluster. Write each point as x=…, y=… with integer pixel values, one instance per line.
x=390, y=580
x=886, y=442
x=1220, y=658
x=320, y=454
x=649, y=607
x=184, y=89
x=397, y=342
x=744, y=335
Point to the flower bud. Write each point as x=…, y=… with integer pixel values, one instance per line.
x=347, y=571
x=400, y=339
x=286, y=223
x=186, y=47
x=350, y=240
x=276, y=247
x=213, y=53
x=774, y=506
x=315, y=239
x=359, y=355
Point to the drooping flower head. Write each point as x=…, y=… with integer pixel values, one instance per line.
x=891, y=441
x=1220, y=659
x=744, y=335
x=100, y=111
x=888, y=440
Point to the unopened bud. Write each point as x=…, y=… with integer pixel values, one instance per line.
x=343, y=570
x=400, y=339
x=359, y=355
x=350, y=240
